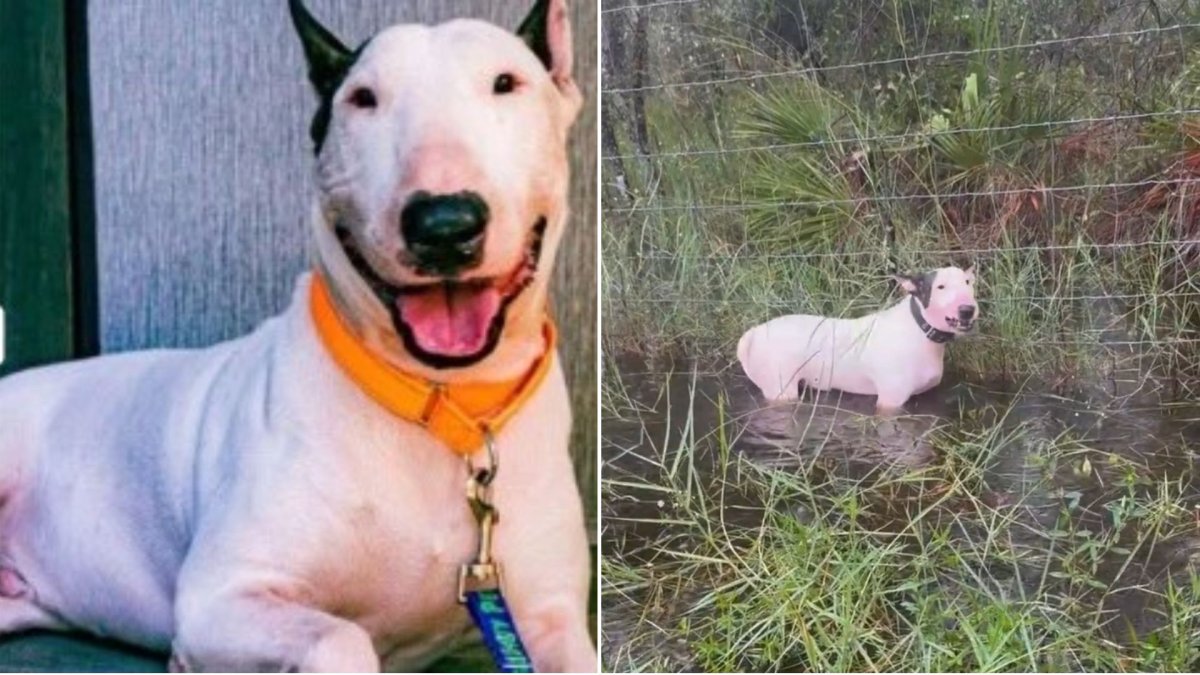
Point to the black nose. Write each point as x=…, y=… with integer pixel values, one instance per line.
x=966, y=312
x=444, y=233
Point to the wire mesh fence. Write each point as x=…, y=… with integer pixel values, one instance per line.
x=781, y=156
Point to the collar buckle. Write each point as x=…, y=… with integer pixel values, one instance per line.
x=437, y=393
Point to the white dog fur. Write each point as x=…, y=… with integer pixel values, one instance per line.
x=884, y=354
x=247, y=506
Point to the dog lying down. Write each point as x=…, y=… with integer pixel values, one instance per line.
x=297, y=499
x=892, y=354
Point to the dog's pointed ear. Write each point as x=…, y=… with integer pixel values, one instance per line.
x=909, y=282
x=970, y=268
x=918, y=285
x=328, y=59
x=547, y=31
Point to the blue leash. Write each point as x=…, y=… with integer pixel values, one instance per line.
x=491, y=615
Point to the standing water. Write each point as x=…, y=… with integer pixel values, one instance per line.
x=1075, y=512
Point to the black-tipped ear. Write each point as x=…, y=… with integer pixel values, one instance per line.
x=535, y=32
x=328, y=59
x=925, y=287
x=920, y=286
x=547, y=31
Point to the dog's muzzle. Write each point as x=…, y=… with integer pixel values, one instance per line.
x=965, y=320
x=444, y=234
x=447, y=321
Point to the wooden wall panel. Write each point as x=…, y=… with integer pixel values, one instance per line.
x=201, y=111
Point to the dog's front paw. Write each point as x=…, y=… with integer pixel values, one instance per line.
x=345, y=649
x=559, y=642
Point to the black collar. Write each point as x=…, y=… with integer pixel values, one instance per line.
x=941, y=337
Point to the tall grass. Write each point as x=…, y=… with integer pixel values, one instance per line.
x=858, y=178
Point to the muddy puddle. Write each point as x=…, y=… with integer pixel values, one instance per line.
x=1084, y=453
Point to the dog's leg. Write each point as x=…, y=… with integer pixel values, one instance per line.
x=547, y=574
x=890, y=402
x=22, y=615
x=258, y=631
x=18, y=610
x=558, y=640
x=547, y=569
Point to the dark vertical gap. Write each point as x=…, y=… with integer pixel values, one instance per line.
x=84, y=278
x=35, y=246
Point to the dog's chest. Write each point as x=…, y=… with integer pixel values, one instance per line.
x=409, y=604
x=420, y=548
x=395, y=531
x=926, y=374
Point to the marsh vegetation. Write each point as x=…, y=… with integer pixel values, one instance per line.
x=1036, y=512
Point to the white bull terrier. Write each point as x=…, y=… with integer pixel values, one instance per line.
x=296, y=499
x=892, y=354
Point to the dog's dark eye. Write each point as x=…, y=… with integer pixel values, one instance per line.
x=968, y=282
x=363, y=98
x=505, y=84
x=941, y=287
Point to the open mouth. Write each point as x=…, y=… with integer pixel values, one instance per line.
x=450, y=323
x=960, y=325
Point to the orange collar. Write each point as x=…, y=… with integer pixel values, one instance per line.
x=460, y=415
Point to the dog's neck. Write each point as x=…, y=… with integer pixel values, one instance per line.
x=461, y=415
x=934, y=335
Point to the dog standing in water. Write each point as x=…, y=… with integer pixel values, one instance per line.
x=295, y=499
x=892, y=354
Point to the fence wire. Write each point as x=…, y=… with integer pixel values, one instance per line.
x=870, y=199
x=888, y=138
x=651, y=5
x=897, y=60
x=982, y=252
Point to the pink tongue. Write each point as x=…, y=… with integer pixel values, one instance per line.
x=450, y=321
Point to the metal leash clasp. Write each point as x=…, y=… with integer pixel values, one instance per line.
x=482, y=573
